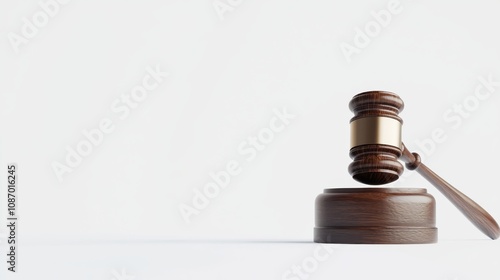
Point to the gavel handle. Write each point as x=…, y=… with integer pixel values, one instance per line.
x=475, y=213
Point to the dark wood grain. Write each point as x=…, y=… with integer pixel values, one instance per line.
x=376, y=103
x=376, y=164
x=475, y=213
x=375, y=216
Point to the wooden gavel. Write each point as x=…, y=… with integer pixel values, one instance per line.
x=376, y=146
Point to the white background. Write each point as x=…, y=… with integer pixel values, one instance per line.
x=228, y=74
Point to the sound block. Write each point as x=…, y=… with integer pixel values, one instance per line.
x=375, y=216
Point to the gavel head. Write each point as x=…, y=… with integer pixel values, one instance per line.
x=376, y=141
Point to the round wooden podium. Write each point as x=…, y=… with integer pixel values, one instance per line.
x=375, y=216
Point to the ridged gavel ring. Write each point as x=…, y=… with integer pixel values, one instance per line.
x=376, y=146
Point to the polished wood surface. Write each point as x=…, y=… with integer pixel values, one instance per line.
x=475, y=213
x=377, y=164
x=375, y=216
x=376, y=103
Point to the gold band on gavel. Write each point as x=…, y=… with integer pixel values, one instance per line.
x=376, y=130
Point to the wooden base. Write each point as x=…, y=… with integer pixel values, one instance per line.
x=375, y=216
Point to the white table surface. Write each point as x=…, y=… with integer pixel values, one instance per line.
x=183, y=259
